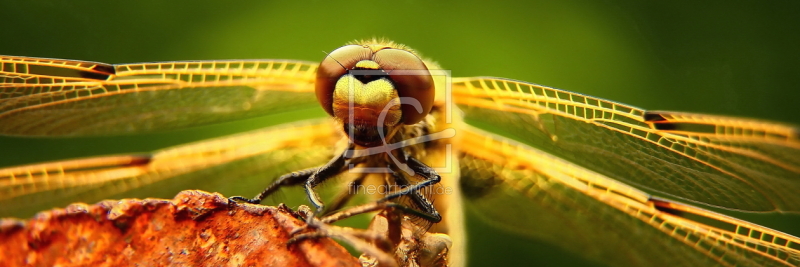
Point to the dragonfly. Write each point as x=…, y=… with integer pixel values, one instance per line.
x=611, y=182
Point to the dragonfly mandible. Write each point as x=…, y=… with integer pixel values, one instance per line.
x=550, y=164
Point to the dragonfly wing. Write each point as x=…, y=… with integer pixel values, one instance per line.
x=54, y=97
x=733, y=163
x=231, y=165
x=537, y=194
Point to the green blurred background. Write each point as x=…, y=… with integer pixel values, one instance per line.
x=720, y=57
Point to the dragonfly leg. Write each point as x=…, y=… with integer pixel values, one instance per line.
x=305, y=212
x=311, y=177
x=364, y=208
x=330, y=169
x=430, y=177
x=293, y=178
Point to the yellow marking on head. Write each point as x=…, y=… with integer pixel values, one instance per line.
x=368, y=64
x=368, y=100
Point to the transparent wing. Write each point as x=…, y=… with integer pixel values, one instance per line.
x=54, y=97
x=238, y=164
x=539, y=195
x=732, y=163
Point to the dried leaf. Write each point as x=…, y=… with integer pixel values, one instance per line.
x=194, y=229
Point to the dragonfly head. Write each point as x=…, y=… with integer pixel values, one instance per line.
x=373, y=88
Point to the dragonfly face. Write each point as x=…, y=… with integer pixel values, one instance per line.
x=573, y=174
x=356, y=86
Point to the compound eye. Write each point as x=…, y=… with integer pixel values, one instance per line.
x=333, y=67
x=412, y=81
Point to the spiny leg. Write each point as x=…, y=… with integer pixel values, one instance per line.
x=293, y=178
x=311, y=177
x=324, y=228
x=425, y=211
x=429, y=177
x=334, y=167
x=365, y=208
